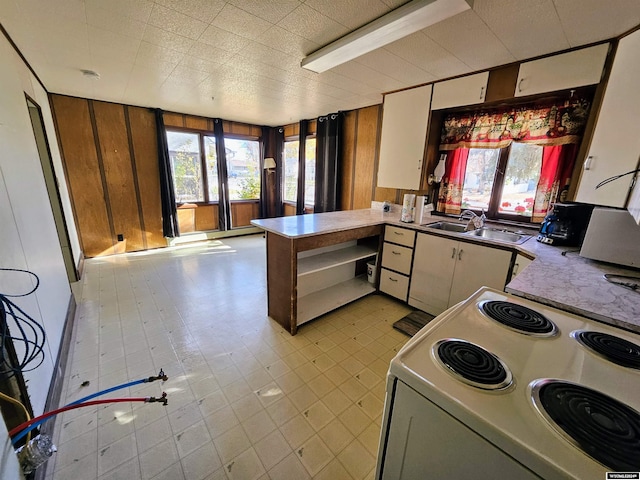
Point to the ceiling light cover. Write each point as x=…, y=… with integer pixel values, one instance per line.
x=393, y=26
x=90, y=74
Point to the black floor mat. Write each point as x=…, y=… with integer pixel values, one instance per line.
x=411, y=323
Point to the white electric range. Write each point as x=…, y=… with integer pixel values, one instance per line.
x=520, y=396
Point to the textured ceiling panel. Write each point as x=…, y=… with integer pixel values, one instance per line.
x=177, y=54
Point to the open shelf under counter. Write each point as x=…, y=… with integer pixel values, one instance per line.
x=322, y=261
x=323, y=301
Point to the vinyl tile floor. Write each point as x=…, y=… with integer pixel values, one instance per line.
x=246, y=400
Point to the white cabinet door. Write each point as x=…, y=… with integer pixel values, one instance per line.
x=560, y=72
x=461, y=91
x=394, y=284
x=520, y=264
x=615, y=144
x=478, y=266
x=404, y=131
x=432, y=273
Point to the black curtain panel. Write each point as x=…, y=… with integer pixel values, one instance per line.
x=167, y=193
x=224, y=213
x=328, y=160
x=271, y=186
x=304, y=128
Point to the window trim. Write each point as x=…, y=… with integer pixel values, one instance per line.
x=296, y=138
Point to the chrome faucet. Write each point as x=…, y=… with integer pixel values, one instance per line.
x=475, y=221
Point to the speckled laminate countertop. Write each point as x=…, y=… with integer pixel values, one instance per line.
x=568, y=281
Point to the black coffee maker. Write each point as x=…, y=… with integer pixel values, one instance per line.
x=565, y=224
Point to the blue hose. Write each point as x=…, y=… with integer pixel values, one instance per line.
x=15, y=439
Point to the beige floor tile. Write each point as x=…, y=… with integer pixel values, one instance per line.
x=126, y=471
x=269, y=393
x=356, y=459
x=157, y=459
x=152, y=434
x=370, y=438
x=231, y=444
x=258, y=426
x=272, y=449
x=201, y=462
x=282, y=411
x=336, y=436
x=371, y=405
x=296, y=431
x=314, y=455
x=290, y=469
x=192, y=438
x=318, y=415
x=353, y=389
x=333, y=471
x=173, y=472
x=289, y=382
x=354, y=419
x=221, y=421
x=246, y=466
x=76, y=449
x=337, y=401
x=303, y=398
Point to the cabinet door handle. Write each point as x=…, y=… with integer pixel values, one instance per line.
x=481, y=93
x=393, y=279
x=396, y=253
x=398, y=233
x=515, y=268
x=520, y=84
x=460, y=254
x=588, y=162
x=453, y=252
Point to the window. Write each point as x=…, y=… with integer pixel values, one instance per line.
x=290, y=184
x=502, y=181
x=195, y=177
x=243, y=168
x=184, y=153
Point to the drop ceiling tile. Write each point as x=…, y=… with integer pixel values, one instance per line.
x=148, y=54
x=270, y=10
x=186, y=75
x=107, y=43
x=200, y=64
x=264, y=54
x=204, y=10
x=526, y=27
x=312, y=25
x=232, y=19
x=468, y=38
x=77, y=58
x=120, y=24
x=354, y=86
x=368, y=76
x=586, y=21
x=166, y=39
x=62, y=10
x=209, y=52
x=395, y=3
x=176, y=22
x=393, y=66
x=222, y=39
x=280, y=39
x=350, y=13
x=139, y=10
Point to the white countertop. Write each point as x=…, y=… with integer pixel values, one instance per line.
x=568, y=281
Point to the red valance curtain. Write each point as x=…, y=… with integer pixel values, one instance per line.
x=558, y=123
x=450, y=200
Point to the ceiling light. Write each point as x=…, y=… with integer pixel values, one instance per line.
x=396, y=24
x=91, y=74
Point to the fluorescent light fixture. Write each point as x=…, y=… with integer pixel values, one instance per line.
x=398, y=23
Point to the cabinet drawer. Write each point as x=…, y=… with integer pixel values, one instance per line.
x=398, y=235
x=394, y=284
x=397, y=258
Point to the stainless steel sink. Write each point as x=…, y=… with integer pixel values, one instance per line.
x=500, y=235
x=448, y=226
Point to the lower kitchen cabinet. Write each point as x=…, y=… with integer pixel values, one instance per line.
x=447, y=271
x=394, y=284
x=521, y=263
x=397, y=254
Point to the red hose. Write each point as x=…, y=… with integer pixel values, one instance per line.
x=19, y=428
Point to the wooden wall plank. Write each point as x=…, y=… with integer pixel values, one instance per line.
x=114, y=145
x=365, y=156
x=206, y=217
x=243, y=212
x=173, y=119
x=349, y=147
x=291, y=130
x=289, y=209
x=197, y=123
x=75, y=135
x=145, y=151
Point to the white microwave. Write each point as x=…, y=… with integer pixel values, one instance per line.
x=612, y=236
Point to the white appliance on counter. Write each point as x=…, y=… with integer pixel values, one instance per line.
x=612, y=236
x=499, y=387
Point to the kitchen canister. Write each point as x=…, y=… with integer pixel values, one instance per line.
x=408, y=208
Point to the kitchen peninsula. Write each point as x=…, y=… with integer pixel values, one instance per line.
x=306, y=254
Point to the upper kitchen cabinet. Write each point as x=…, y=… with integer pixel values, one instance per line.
x=404, y=131
x=461, y=91
x=615, y=143
x=561, y=72
x=634, y=201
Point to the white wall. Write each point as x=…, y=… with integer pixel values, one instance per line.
x=28, y=238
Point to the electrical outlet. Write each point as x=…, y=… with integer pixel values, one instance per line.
x=120, y=237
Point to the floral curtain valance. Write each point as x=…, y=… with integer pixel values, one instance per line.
x=547, y=125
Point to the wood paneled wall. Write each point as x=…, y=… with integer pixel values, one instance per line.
x=183, y=120
x=111, y=164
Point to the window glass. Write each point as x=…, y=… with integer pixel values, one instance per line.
x=184, y=153
x=243, y=168
x=478, y=178
x=310, y=172
x=290, y=186
x=211, y=158
x=521, y=179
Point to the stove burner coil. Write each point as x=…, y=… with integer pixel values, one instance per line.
x=604, y=428
x=518, y=317
x=472, y=364
x=615, y=349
